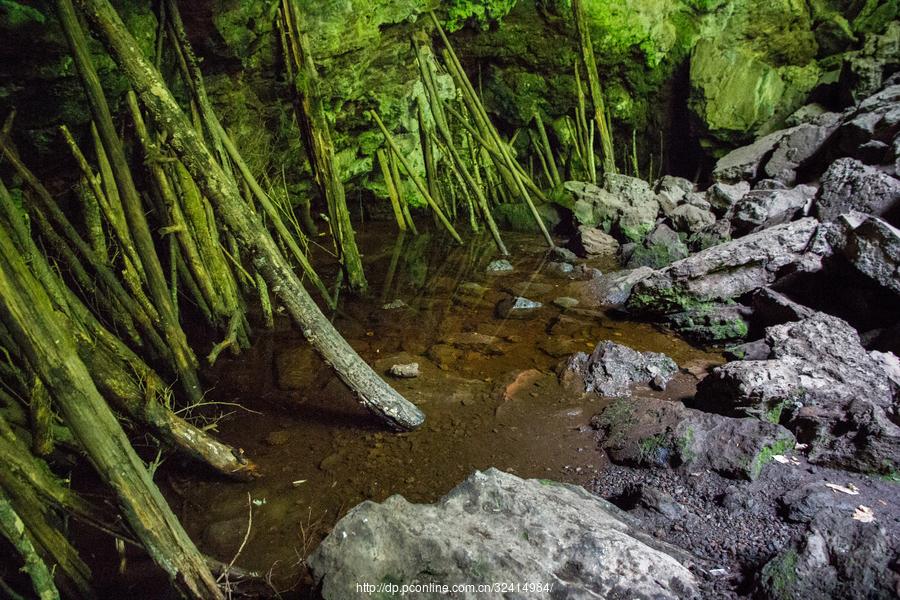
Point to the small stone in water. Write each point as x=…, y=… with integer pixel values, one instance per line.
x=408, y=371
x=516, y=307
x=499, y=266
x=564, y=254
x=565, y=302
x=398, y=303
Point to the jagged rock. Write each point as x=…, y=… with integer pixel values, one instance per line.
x=659, y=249
x=591, y=241
x=797, y=147
x=755, y=350
x=625, y=205
x=678, y=187
x=874, y=249
x=407, y=371
x=614, y=289
x=873, y=152
x=722, y=196
x=495, y=527
x=613, y=369
x=805, y=114
x=516, y=307
x=837, y=557
x=697, y=199
x=759, y=209
x=499, y=266
x=801, y=505
x=664, y=433
x=821, y=382
x=849, y=185
x=712, y=323
x=717, y=233
x=731, y=269
x=745, y=163
x=862, y=72
x=646, y=498
x=769, y=184
x=691, y=219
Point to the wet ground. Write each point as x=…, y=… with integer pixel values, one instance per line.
x=487, y=386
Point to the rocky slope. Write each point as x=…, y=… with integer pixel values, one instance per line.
x=777, y=479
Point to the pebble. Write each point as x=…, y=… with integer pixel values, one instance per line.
x=394, y=305
x=499, y=266
x=565, y=302
x=407, y=371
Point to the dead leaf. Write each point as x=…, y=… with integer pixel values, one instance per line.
x=849, y=489
x=864, y=514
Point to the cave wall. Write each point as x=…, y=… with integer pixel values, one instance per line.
x=695, y=76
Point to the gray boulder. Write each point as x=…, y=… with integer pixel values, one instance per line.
x=819, y=381
x=849, y=185
x=677, y=186
x=591, y=241
x=690, y=218
x=712, y=322
x=665, y=433
x=613, y=369
x=837, y=557
x=732, y=269
x=759, y=209
x=745, y=163
x=625, y=206
x=614, y=289
x=802, y=504
x=662, y=247
x=874, y=249
x=722, y=196
x=495, y=527
x=796, y=148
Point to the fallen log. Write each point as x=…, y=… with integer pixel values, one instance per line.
x=372, y=391
x=29, y=316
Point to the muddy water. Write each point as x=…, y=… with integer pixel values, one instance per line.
x=487, y=387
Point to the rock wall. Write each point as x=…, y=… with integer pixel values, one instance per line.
x=690, y=78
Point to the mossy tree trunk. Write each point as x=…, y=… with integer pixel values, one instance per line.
x=372, y=391
x=28, y=314
x=320, y=147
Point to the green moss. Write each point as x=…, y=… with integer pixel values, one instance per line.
x=14, y=14
x=773, y=415
x=654, y=449
x=479, y=13
x=685, y=444
x=616, y=418
x=765, y=455
x=664, y=300
x=638, y=233
x=780, y=575
x=875, y=15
